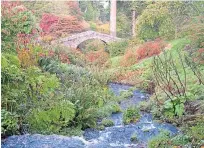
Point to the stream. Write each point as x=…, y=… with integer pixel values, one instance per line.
x=118, y=136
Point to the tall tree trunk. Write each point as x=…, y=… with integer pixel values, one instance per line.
x=113, y=18
x=133, y=23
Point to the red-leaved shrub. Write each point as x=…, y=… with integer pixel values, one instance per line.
x=64, y=58
x=7, y=6
x=47, y=21
x=149, y=49
x=59, y=26
x=98, y=57
x=66, y=25
x=126, y=75
x=145, y=50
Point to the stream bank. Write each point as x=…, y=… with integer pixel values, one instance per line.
x=118, y=136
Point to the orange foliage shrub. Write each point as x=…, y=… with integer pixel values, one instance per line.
x=128, y=77
x=98, y=57
x=27, y=57
x=46, y=38
x=25, y=50
x=129, y=58
x=29, y=54
x=145, y=50
x=149, y=49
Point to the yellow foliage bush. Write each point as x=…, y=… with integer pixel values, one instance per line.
x=47, y=38
x=104, y=28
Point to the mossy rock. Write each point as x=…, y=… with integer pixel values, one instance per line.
x=126, y=94
x=145, y=106
x=107, y=122
x=134, y=137
x=131, y=115
x=100, y=127
x=116, y=108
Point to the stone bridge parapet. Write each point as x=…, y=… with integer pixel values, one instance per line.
x=73, y=41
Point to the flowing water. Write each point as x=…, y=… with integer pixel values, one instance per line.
x=118, y=136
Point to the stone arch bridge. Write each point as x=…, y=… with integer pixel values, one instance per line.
x=73, y=41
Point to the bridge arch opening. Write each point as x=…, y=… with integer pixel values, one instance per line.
x=92, y=45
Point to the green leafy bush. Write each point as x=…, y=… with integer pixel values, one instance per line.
x=85, y=91
x=67, y=73
x=117, y=48
x=24, y=89
x=12, y=79
x=197, y=131
x=88, y=100
x=123, y=26
x=164, y=139
x=51, y=119
x=15, y=20
x=131, y=114
x=93, y=26
x=160, y=141
x=180, y=140
x=41, y=85
x=9, y=123
x=91, y=13
x=155, y=21
x=174, y=107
